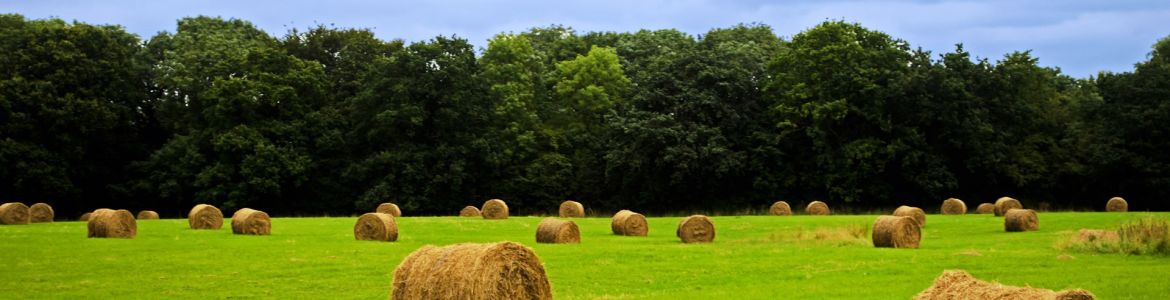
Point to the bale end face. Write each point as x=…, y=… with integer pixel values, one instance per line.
x=817, y=208
x=14, y=213
x=494, y=209
x=572, y=209
x=251, y=222
x=696, y=229
x=390, y=209
x=953, y=206
x=376, y=227
x=469, y=211
x=503, y=270
x=915, y=213
x=41, y=213
x=1016, y=220
x=780, y=208
x=108, y=223
x=1003, y=204
x=555, y=231
x=1117, y=204
x=896, y=232
x=629, y=223
x=205, y=216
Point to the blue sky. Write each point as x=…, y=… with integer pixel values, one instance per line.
x=1080, y=37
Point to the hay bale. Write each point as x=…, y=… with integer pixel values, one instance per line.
x=629, y=223
x=14, y=213
x=376, y=227
x=503, y=270
x=205, y=216
x=251, y=221
x=915, y=213
x=572, y=209
x=1117, y=204
x=85, y=217
x=494, y=209
x=896, y=232
x=40, y=213
x=390, y=209
x=1020, y=220
x=1003, y=204
x=817, y=208
x=985, y=208
x=957, y=284
x=469, y=211
x=108, y=223
x=556, y=231
x=696, y=229
x=780, y=208
x=953, y=206
x=147, y=215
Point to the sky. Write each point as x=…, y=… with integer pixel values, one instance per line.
x=1080, y=37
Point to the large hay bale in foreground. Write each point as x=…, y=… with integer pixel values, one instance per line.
x=629, y=223
x=780, y=208
x=556, y=231
x=108, y=223
x=205, y=216
x=504, y=270
x=376, y=227
x=251, y=221
x=469, y=211
x=817, y=208
x=896, y=232
x=390, y=209
x=85, y=217
x=14, y=213
x=41, y=213
x=494, y=209
x=915, y=213
x=572, y=209
x=1020, y=220
x=985, y=208
x=147, y=215
x=1116, y=204
x=696, y=229
x=957, y=284
x=1003, y=204
x=953, y=206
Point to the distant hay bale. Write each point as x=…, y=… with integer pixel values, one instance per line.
x=629, y=223
x=14, y=213
x=1020, y=220
x=469, y=211
x=985, y=208
x=251, y=221
x=556, y=231
x=696, y=229
x=85, y=217
x=1003, y=204
x=915, y=213
x=494, y=209
x=147, y=215
x=896, y=232
x=817, y=208
x=376, y=227
x=780, y=208
x=572, y=209
x=205, y=216
x=1117, y=204
x=503, y=270
x=953, y=206
x=390, y=209
x=957, y=284
x=40, y=213
x=108, y=223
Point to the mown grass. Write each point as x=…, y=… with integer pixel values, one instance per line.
x=762, y=257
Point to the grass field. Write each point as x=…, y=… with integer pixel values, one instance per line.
x=752, y=257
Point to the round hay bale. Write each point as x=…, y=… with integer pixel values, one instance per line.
x=40, y=213
x=108, y=223
x=390, y=209
x=629, y=223
x=494, y=209
x=985, y=208
x=85, y=217
x=147, y=215
x=14, y=213
x=1116, y=204
x=376, y=227
x=957, y=284
x=780, y=208
x=251, y=221
x=896, y=232
x=1003, y=204
x=555, y=231
x=696, y=229
x=572, y=209
x=915, y=213
x=953, y=206
x=503, y=270
x=205, y=216
x=469, y=211
x=1020, y=220
x=817, y=208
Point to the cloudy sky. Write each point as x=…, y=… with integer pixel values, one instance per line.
x=1081, y=37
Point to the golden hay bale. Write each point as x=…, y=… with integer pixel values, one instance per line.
x=494, y=209
x=780, y=208
x=251, y=221
x=572, y=209
x=915, y=213
x=817, y=208
x=985, y=208
x=108, y=223
x=14, y=213
x=503, y=270
x=390, y=209
x=1003, y=204
x=696, y=229
x=40, y=213
x=953, y=206
x=376, y=227
x=555, y=231
x=629, y=223
x=469, y=211
x=896, y=232
x=1116, y=204
x=1020, y=220
x=957, y=284
x=147, y=215
x=85, y=217
x=205, y=216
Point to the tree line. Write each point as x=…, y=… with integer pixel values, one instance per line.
x=334, y=120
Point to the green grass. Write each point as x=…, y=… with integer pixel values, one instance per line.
x=752, y=257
